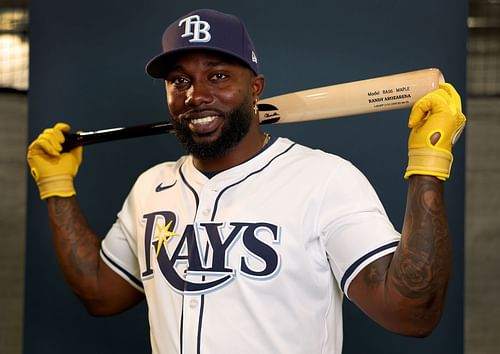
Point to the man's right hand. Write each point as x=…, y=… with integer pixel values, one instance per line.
x=52, y=169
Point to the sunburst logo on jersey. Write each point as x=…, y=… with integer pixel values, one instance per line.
x=163, y=234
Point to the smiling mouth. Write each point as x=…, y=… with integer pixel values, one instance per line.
x=205, y=125
x=203, y=120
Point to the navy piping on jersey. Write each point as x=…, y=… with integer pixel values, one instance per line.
x=356, y=264
x=182, y=327
x=209, y=175
x=244, y=179
x=197, y=202
x=202, y=304
x=124, y=271
x=196, y=198
x=202, y=307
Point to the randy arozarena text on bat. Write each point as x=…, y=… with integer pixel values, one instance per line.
x=378, y=94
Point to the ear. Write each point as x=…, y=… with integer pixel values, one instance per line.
x=258, y=83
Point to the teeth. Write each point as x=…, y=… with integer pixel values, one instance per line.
x=204, y=120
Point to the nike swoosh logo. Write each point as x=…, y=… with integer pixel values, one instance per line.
x=161, y=187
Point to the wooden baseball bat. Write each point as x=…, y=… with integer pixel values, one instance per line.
x=358, y=97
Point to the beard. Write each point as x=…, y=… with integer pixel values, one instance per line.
x=236, y=125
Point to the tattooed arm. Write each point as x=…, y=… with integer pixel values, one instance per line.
x=77, y=247
x=405, y=292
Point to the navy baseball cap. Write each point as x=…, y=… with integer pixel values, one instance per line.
x=205, y=29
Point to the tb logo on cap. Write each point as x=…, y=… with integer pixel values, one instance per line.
x=196, y=28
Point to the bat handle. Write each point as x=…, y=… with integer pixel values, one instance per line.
x=72, y=140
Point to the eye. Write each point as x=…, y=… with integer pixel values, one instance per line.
x=219, y=76
x=178, y=81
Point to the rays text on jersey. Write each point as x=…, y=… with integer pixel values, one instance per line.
x=208, y=255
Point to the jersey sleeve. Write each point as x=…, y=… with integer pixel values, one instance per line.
x=119, y=247
x=353, y=224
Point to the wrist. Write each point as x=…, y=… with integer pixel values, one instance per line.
x=56, y=186
x=429, y=162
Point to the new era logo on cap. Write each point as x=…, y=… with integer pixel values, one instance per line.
x=205, y=29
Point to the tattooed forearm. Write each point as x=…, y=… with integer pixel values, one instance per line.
x=75, y=243
x=99, y=288
x=405, y=291
x=421, y=265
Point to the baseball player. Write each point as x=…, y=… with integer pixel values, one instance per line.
x=249, y=242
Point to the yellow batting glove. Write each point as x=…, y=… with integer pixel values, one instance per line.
x=52, y=169
x=440, y=112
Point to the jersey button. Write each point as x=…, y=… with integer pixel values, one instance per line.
x=193, y=303
x=206, y=212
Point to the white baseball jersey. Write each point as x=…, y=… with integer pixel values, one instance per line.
x=253, y=260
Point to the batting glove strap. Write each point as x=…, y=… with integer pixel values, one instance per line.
x=56, y=186
x=429, y=162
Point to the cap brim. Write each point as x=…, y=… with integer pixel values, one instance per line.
x=159, y=66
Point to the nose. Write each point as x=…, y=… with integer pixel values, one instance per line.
x=199, y=93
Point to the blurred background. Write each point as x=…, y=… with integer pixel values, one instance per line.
x=482, y=200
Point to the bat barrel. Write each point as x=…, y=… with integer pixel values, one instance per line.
x=378, y=94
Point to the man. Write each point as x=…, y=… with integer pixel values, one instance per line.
x=248, y=243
